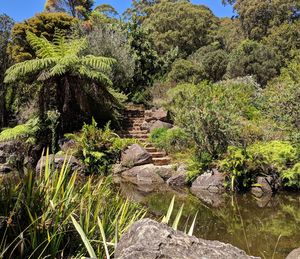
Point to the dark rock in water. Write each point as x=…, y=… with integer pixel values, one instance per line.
x=265, y=186
x=135, y=155
x=148, y=239
x=4, y=169
x=212, y=182
x=160, y=124
x=177, y=180
x=144, y=174
x=74, y=164
x=295, y=254
x=209, y=187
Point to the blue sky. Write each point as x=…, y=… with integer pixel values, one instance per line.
x=23, y=9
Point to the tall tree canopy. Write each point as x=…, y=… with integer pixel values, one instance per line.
x=180, y=24
x=44, y=24
x=258, y=16
x=76, y=8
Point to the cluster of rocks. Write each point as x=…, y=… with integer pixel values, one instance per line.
x=156, y=118
x=148, y=239
x=136, y=167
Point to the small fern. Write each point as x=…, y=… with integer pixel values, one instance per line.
x=25, y=131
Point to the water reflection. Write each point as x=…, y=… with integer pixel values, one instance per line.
x=268, y=227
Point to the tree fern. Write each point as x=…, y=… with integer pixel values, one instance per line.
x=25, y=131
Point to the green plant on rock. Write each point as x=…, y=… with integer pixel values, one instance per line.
x=98, y=148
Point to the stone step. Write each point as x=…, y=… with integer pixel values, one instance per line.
x=158, y=154
x=135, y=131
x=162, y=160
x=151, y=149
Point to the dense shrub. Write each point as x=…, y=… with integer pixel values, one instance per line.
x=171, y=140
x=262, y=158
x=186, y=71
x=98, y=148
x=211, y=114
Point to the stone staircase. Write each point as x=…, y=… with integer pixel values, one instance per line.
x=132, y=128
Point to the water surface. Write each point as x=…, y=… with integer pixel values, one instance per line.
x=268, y=227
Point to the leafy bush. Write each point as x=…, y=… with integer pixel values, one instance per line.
x=263, y=158
x=98, y=148
x=171, y=140
x=186, y=71
x=211, y=114
x=291, y=177
x=36, y=212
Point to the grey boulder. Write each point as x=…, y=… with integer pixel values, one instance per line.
x=148, y=239
x=135, y=155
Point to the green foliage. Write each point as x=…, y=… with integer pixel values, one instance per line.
x=171, y=140
x=110, y=41
x=26, y=132
x=98, y=148
x=291, y=177
x=146, y=58
x=37, y=211
x=186, y=71
x=284, y=107
x=43, y=24
x=60, y=67
x=258, y=16
x=211, y=114
x=179, y=24
x=263, y=158
x=6, y=24
x=212, y=60
x=253, y=58
x=279, y=154
x=284, y=39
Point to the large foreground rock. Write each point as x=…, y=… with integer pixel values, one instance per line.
x=135, y=155
x=148, y=239
x=295, y=254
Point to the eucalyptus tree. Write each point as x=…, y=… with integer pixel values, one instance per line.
x=75, y=81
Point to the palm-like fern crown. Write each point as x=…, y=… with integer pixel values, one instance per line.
x=60, y=57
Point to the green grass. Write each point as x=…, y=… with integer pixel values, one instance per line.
x=39, y=211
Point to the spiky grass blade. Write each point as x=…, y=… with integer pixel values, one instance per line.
x=167, y=217
x=103, y=238
x=178, y=217
x=84, y=238
x=191, y=231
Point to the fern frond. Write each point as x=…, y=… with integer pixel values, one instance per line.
x=43, y=48
x=101, y=63
x=94, y=75
x=57, y=70
x=28, y=67
x=75, y=46
x=61, y=46
x=26, y=130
